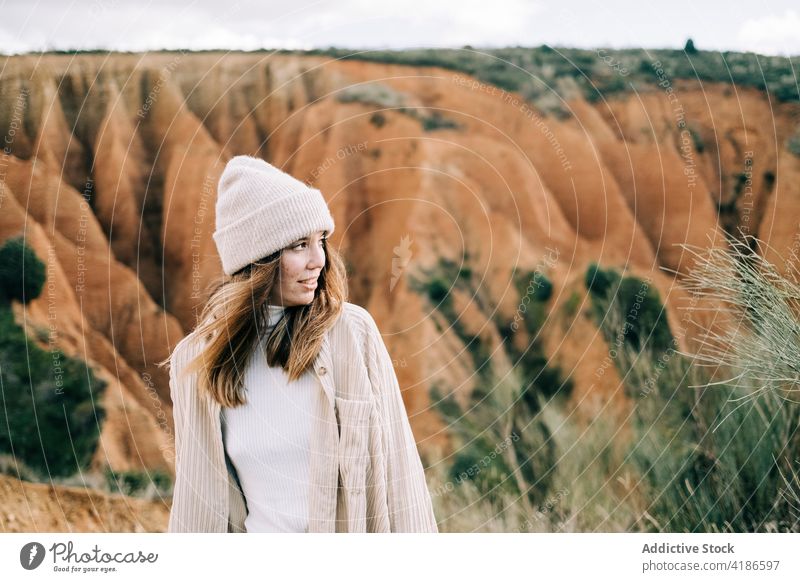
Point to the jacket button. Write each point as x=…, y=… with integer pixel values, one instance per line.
x=322, y=370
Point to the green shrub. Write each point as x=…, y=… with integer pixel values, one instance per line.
x=502, y=406
x=699, y=144
x=384, y=96
x=544, y=288
x=376, y=94
x=793, y=143
x=599, y=281
x=437, y=282
x=438, y=121
x=51, y=403
x=572, y=303
x=22, y=274
x=489, y=473
x=642, y=304
x=378, y=119
x=438, y=291
x=642, y=319
x=135, y=483
x=537, y=375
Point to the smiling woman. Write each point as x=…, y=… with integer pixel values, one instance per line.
x=285, y=387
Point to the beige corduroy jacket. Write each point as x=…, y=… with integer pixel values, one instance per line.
x=366, y=472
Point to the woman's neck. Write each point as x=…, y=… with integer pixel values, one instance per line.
x=274, y=313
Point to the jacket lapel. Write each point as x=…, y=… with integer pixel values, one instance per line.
x=324, y=464
x=323, y=368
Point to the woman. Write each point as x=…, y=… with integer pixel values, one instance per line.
x=288, y=413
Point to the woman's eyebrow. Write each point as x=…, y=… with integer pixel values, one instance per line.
x=305, y=238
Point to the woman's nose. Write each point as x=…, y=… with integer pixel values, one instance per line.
x=317, y=258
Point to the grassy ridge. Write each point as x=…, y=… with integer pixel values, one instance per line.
x=686, y=457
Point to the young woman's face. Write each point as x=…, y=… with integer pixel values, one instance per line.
x=300, y=266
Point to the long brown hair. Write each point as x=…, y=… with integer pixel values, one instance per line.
x=235, y=317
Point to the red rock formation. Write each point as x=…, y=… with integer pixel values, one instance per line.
x=149, y=134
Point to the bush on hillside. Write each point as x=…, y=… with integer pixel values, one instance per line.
x=22, y=274
x=51, y=404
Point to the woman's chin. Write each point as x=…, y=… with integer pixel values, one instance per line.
x=304, y=298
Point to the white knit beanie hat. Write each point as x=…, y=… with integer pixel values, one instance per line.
x=261, y=209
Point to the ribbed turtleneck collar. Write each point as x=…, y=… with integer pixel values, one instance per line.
x=275, y=313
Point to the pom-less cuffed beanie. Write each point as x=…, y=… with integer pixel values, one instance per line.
x=261, y=209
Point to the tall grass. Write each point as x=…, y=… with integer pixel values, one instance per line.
x=760, y=341
x=687, y=454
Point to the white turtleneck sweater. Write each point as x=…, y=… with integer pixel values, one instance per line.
x=267, y=441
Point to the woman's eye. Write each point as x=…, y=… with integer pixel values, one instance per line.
x=299, y=245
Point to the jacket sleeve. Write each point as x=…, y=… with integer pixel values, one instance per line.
x=194, y=497
x=178, y=406
x=409, y=501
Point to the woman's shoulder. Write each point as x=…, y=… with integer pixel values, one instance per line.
x=354, y=313
x=353, y=332
x=359, y=321
x=185, y=350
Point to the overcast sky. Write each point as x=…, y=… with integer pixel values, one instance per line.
x=763, y=26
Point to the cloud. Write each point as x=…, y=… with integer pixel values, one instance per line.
x=772, y=34
x=365, y=24
x=248, y=24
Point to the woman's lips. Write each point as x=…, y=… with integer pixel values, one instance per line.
x=311, y=285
